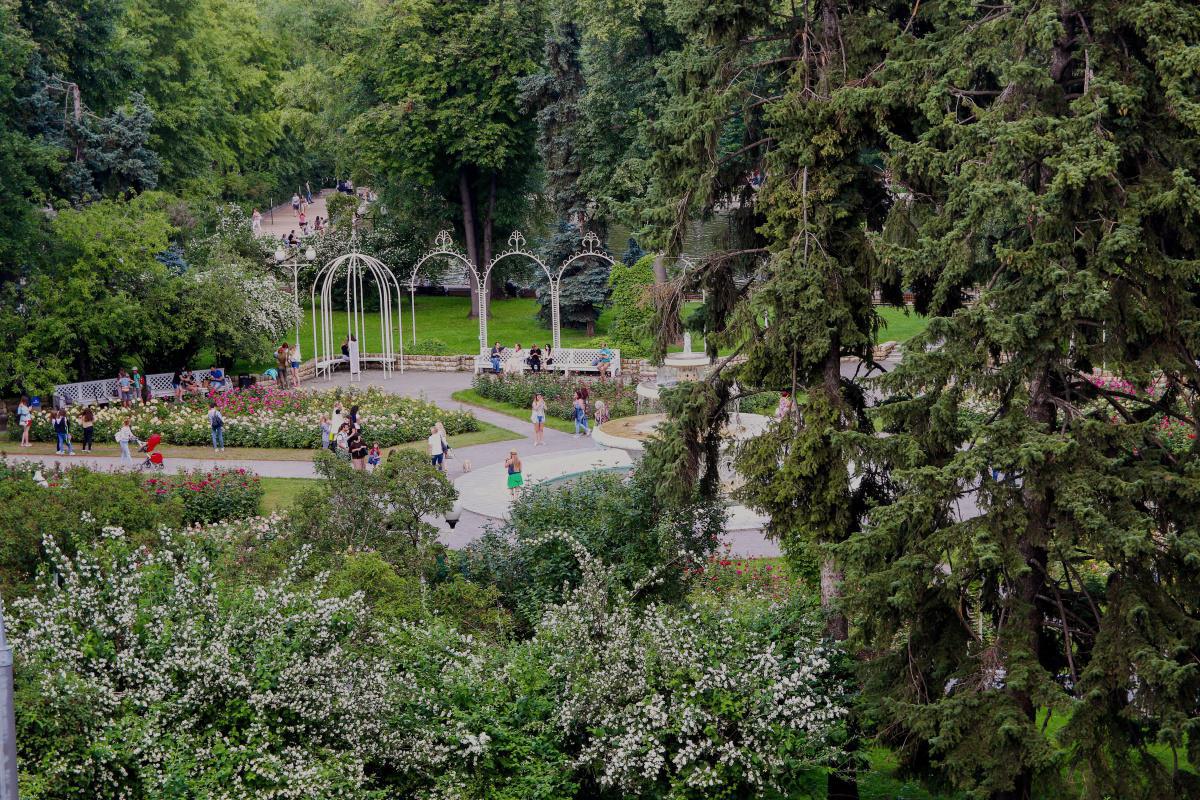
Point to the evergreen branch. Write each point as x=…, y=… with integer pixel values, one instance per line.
x=724, y=159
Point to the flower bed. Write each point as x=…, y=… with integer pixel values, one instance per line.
x=264, y=416
x=559, y=392
x=211, y=495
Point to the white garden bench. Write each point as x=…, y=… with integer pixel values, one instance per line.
x=105, y=391
x=566, y=360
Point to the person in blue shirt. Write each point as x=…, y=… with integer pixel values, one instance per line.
x=603, y=364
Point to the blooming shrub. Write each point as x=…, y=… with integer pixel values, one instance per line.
x=724, y=575
x=265, y=416
x=142, y=677
x=559, y=391
x=653, y=701
x=211, y=495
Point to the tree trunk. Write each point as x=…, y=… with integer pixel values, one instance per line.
x=660, y=270
x=468, y=211
x=488, y=244
x=1032, y=584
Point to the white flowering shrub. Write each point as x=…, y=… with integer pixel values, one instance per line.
x=687, y=701
x=140, y=678
x=612, y=699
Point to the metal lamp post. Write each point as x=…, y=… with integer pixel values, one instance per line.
x=8, y=720
x=292, y=261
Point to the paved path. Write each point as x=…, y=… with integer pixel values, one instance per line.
x=281, y=220
x=486, y=459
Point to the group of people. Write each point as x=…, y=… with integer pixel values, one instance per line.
x=62, y=430
x=301, y=200
x=517, y=359
x=286, y=372
x=341, y=432
x=579, y=405
x=536, y=359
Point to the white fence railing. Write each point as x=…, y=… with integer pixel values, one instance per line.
x=105, y=391
x=565, y=359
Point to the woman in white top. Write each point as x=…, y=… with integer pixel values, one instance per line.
x=124, y=437
x=538, y=418
x=516, y=360
x=25, y=418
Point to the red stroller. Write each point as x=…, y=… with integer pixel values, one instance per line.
x=153, y=460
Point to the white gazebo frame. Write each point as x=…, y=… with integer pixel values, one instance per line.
x=355, y=267
x=444, y=247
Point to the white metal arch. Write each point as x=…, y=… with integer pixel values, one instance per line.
x=355, y=266
x=444, y=247
x=590, y=247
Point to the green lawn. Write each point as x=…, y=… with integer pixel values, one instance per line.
x=512, y=321
x=280, y=493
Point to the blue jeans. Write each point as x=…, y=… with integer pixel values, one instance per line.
x=218, y=437
x=581, y=421
x=65, y=438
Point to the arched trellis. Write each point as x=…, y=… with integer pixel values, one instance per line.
x=444, y=247
x=356, y=267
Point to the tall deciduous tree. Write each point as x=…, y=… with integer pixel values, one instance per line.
x=1050, y=156
x=443, y=110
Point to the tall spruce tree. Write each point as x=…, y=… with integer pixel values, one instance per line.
x=1042, y=555
x=770, y=122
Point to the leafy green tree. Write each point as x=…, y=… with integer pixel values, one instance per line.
x=381, y=510
x=632, y=304
x=443, y=80
x=99, y=295
x=1046, y=153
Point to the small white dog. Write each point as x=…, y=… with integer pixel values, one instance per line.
x=466, y=465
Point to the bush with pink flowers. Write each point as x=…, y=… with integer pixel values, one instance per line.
x=211, y=495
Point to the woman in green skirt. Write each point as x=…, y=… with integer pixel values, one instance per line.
x=513, y=464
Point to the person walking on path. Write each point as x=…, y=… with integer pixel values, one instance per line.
x=515, y=479
x=256, y=222
x=308, y=192
x=87, y=421
x=217, y=423
x=581, y=420
x=436, y=455
x=25, y=420
x=296, y=203
x=538, y=418
x=63, y=431
x=441, y=429
x=124, y=437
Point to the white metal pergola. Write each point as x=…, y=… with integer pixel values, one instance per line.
x=444, y=247
x=355, y=268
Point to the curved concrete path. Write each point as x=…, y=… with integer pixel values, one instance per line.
x=483, y=488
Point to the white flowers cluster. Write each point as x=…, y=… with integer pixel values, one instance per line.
x=149, y=683
x=690, y=697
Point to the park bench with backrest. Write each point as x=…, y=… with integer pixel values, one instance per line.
x=566, y=360
x=105, y=391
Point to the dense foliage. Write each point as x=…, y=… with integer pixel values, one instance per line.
x=649, y=548
x=211, y=495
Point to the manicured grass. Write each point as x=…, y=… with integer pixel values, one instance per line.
x=473, y=398
x=900, y=325
x=485, y=435
x=280, y=493
x=512, y=321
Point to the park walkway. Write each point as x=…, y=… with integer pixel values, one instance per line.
x=486, y=459
x=281, y=220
